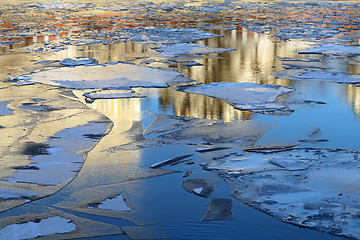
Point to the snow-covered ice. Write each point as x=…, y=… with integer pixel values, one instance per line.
x=44, y=227
x=244, y=96
x=310, y=187
x=118, y=76
x=189, y=48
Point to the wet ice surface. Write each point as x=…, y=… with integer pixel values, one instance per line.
x=245, y=96
x=56, y=161
x=43, y=227
x=118, y=76
x=186, y=48
x=311, y=187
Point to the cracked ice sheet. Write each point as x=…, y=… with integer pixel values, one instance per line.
x=27, y=127
x=47, y=223
x=61, y=162
x=309, y=187
x=188, y=130
x=333, y=49
x=118, y=76
x=187, y=48
x=337, y=77
x=254, y=97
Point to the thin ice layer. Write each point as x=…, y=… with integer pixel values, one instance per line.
x=244, y=96
x=333, y=49
x=31, y=230
x=188, y=48
x=189, y=130
x=119, y=76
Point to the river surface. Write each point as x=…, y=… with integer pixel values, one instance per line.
x=62, y=155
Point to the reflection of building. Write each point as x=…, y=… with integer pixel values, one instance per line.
x=353, y=93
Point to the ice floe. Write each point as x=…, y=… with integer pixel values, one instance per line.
x=188, y=48
x=56, y=161
x=311, y=187
x=112, y=94
x=118, y=76
x=219, y=209
x=245, y=96
x=333, y=49
x=337, y=77
x=39, y=228
x=78, y=61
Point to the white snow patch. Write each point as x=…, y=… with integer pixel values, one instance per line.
x=31, y=230
x=119, y=76
x=197, y=190
x=187, y=48
x=244, y=96
x=333, y=49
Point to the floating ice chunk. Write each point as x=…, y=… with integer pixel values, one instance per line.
x=119, y=76
x=170, y=161
x=116, y=204
x=305, y=63
x=333, y=49
x=112, y=94
x=244, y=96
x=319, y=75
x=78, y=61
x=271, y=148
x=188, y=48
x=219, y=209
x=23, y=83
x=31, y=230
x=200, y=186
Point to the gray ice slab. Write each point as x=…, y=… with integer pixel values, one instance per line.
x=271, y=148
x=219, y=209
x=200, y=186
x=170, y=161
